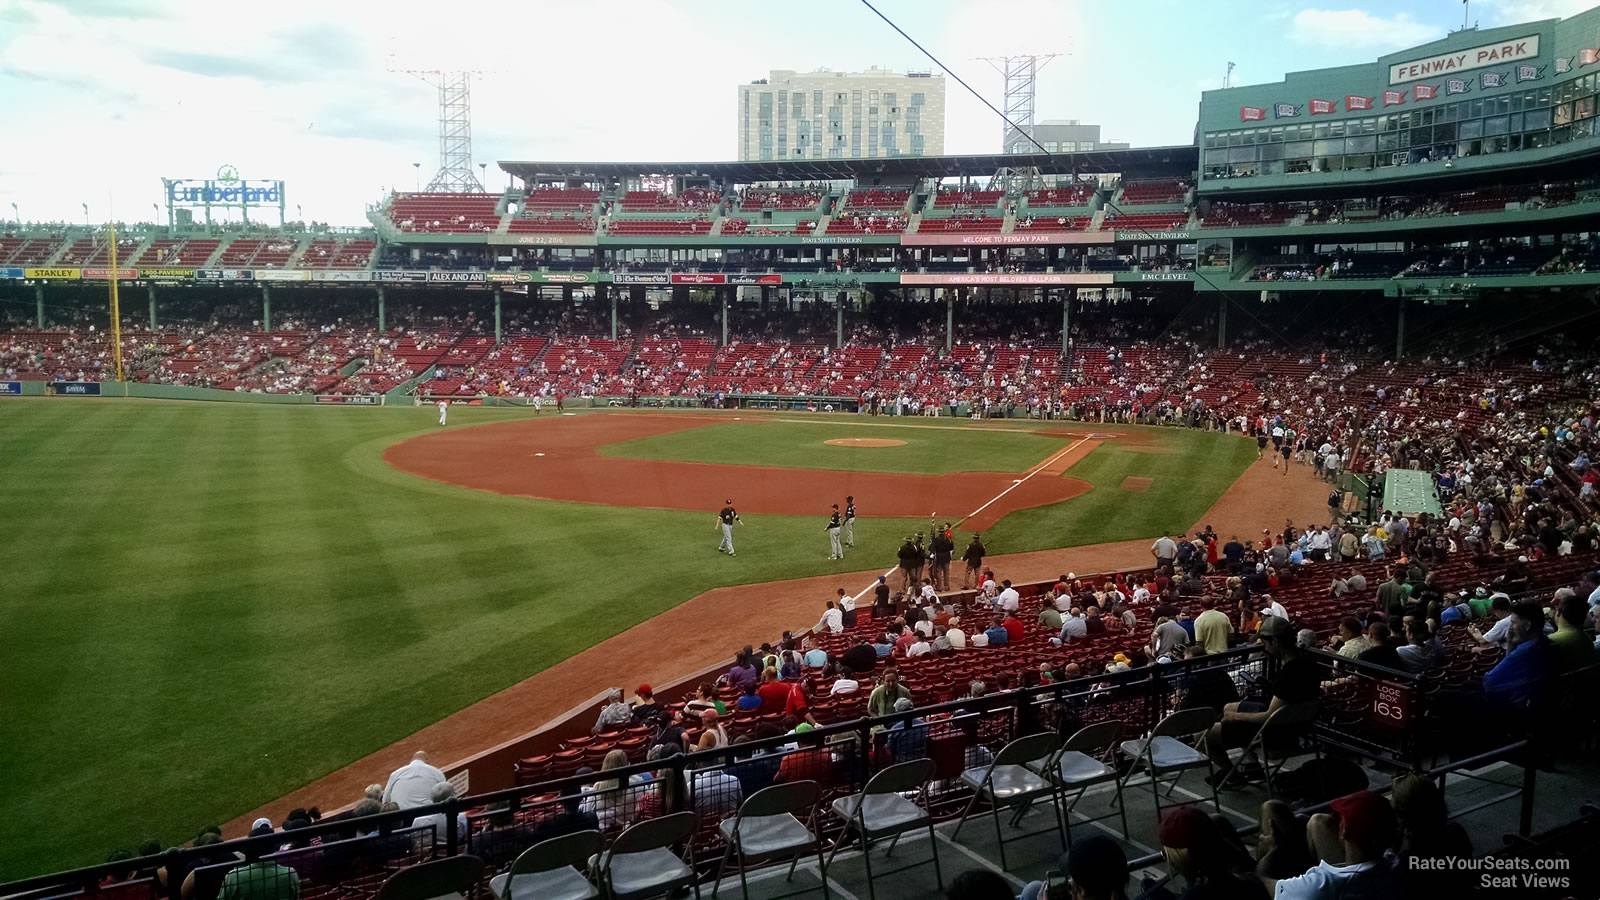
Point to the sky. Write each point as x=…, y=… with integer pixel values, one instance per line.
x=103, y=98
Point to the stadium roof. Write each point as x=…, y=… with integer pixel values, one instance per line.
x=1146, y=160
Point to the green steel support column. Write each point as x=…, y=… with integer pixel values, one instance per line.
x=613, y=315
x=497, y=332
x=38, y=305
x=152, y=307
x=266, y=308
x=1222, y=320
x=949, y=320
x=839, y=319
x=1400, y=331
x=1066, y=323
x=381, y=327
x=723, y=292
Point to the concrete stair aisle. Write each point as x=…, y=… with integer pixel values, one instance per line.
x=298, y=252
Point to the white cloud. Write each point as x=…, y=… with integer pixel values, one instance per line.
x=1511, y=12
x=1355, y=29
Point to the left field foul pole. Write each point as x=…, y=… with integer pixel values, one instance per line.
x=116, y=308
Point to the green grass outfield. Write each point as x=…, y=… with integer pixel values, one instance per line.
x=205, y=606
x=803, y=445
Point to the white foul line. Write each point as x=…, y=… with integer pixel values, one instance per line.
x=1023, y=480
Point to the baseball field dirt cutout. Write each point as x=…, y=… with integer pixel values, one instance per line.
x=865, y=442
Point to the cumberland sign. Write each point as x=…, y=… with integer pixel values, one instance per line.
x=1514, y=50
x=226, y=189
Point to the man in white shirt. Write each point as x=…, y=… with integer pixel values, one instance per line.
x=1367, y=828
x=957, y=637
x=1273, y=608
x=1008, y=598
x=412, y=784
x=1500, y=634
x=832, y=620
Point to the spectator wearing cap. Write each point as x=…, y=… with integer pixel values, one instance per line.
x=646, y=711
x=412, y=784
x=1273, y=608
x=954, y=634
x=1295, y=690
x=1097, y=869
x=881, y=607
x=614, y=713
x=1195, y=848
x=1358, y=834
x=906, y=738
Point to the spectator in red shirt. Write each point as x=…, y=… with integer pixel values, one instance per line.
x=812, y=762
x=774, y=694
x=1014, y=627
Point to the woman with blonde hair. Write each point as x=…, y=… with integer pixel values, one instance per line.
x=607, y=798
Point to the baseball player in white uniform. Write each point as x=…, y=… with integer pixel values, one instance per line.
x=444, y=408
x=538, y=404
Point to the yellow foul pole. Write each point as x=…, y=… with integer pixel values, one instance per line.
x=116, y=309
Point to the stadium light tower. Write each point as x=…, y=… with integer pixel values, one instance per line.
x=455, y=129
x=1021, y=74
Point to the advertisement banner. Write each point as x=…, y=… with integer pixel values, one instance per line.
x=105, y=274
x=1154, y=236
x=10, y=273
x=457, y=277
x=283, y=275
x=1015, y=239
x=1161, y=276
x=509, y=278
x=50, y=274
x=769, y=278
x=399, y=275
x=225, y=275
x=641, y=278
x=1009, y=278
x=166, y=273
x=351, y=275
x=542, y=240
x=72, y=389
x=10, y=388
x=564, y=277
x=358, y=400
x=698, y=278
x=842, y=239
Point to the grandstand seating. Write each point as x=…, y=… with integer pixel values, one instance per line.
x=445, y=213
x=1136, y=193
x=961, y=223
x=689, y=199
x=974, y=199
x=876, y=199
x=856, y=223
x=1056, y=223
x=328, y=253
x=549, y=199
x=1145, y=222
x=659, y=227
x=755, y=199
x=1075, y=196
x=551, y=225
x=1246, y=215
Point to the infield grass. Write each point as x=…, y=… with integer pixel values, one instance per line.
x=205, y=606
x=1188, y=474
x=928, y=450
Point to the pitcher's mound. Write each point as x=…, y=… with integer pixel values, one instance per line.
x=1136, y=484
x=865, y=442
